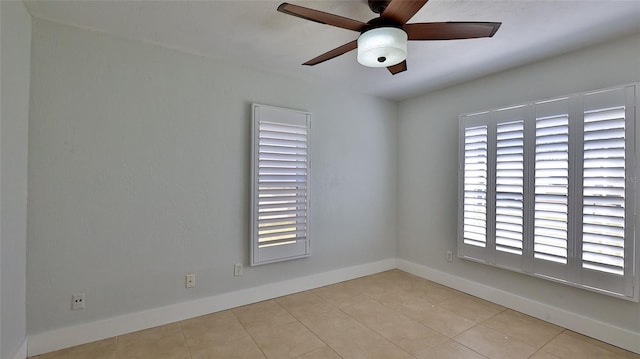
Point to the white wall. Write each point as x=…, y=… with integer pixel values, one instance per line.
x=139, y=173
x=427, y=170
x=16, y=46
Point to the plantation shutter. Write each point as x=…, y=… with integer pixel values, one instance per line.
x=605, y=234
x=548, y=188
x=280, y=199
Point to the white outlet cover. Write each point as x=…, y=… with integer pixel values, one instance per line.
x=190, y=281
x=77, y=301
x=237, y=269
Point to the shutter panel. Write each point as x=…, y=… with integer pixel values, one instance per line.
x=509, y=187
x=551, y=182
x=281, y=177
x=475, y=186
x=603, y=215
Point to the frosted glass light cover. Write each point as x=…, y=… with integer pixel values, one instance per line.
x=382, y=47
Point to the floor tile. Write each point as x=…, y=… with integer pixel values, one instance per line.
x=351, y=339
x=340, y=294
x=304, y=303
x=404, y=298
x=286, y=341
x=433, y=292
x=243, y=348
x=450, y=350
x=331, y=324
x=569, y=345
x=494, y=344
x=382, y=283
x=408, y=334
x=541, y=354
x=442, y=320
x=532, y=331
x=472, y=307
x=103, y=349
x=623, y=353
x=321, y=353
x=166, y=342
x=263, y=315
x=208, y=330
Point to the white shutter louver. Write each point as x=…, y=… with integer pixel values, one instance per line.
x=604, y=190
x=475, y=186
x=509, y=186
x=281, y=178
x=551, y=188
x=282, y=184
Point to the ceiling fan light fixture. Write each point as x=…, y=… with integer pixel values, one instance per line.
x=382, y=47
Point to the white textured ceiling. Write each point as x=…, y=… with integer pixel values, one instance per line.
x=252, y=33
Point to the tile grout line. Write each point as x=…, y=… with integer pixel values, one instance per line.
x=309, y=329
x=246, y=331
x=395, y=311
x=464, y=331
x=473, y=350
x=547, y=343
x=375, y=331
x=115, y=351
x=186, y=344
x=400, y=313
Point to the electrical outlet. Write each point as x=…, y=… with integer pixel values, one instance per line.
x=449, y=256
x=77, y=301
x=190, y=280
x=237, y=269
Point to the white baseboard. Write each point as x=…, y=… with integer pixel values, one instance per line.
x=22, y=352
x=106, y=328
x=620, y=337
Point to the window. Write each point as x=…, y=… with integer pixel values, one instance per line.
x=548, y=189
x=280, y=185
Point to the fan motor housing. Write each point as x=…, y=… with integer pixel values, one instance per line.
x=380, y=22
x=378, y=6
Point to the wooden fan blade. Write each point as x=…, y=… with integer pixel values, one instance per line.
x=398, y=68
x=322, y=17
x=450, y=30
x=400, y=11
x=333, y=53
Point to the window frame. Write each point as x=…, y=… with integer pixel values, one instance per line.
x=573, y=273
x=300, y=246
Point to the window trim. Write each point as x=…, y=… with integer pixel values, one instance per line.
x=284, y=117
x=572, y=273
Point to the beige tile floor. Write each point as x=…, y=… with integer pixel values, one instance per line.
x=387, y=315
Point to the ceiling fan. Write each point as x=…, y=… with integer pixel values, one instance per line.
x=383, y=40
